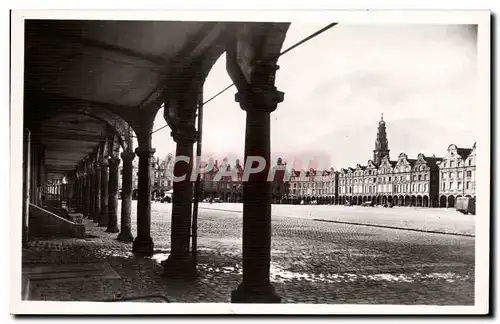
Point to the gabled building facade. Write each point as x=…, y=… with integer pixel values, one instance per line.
x=457, y=173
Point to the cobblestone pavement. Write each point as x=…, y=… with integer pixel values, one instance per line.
x=312, y=262
x=441, y=220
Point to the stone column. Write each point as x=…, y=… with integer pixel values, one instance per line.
x=56, y=192
x=143, y=243
x=26, y=183
x=179, y=263
x=126, y=232
x=80, y=194
x=97, y=192
x=84, y=193
x=62, y=190
x=69, y=193
x=113, y=196
x=103, y=220
x=91, y=194
x=77, y=193
x=256, y=287
x=88, y=195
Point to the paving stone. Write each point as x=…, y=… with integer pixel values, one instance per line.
x=312, y=262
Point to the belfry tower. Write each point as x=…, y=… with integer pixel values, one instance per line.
x=381, y=144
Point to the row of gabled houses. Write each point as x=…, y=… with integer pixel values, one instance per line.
x=421, y=182
x=230, y=189
x=426, y=181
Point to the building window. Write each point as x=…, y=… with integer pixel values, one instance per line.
x=459, y=174
x=459, y=185
x=451, y=175
x=469, y=174
x=414, y=178
x=468, y=184
x=389, y=178
x=444, y=186
x=425, y=187
x=419, y=187
x=470, y=161
x=413, y=187
x=419, y=178
x=451, y=185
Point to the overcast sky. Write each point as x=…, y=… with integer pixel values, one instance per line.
x=421, y=77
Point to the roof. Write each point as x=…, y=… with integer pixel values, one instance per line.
x=432, y=161
x=464, y=152
x=411, y=161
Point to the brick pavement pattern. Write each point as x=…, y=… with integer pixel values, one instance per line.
x=312, y=262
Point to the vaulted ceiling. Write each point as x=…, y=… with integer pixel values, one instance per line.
x=115, y=65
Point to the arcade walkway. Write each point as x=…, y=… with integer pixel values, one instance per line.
x=91, y=86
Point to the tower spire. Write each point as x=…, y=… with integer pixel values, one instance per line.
x=381, y=143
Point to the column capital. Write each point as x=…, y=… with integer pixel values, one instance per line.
x=127, y=156
x=114, y=161
x=259, y=95
x=185, y=134
x=104, y=163
x=145, y=152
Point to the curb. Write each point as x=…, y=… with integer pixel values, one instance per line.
x=359, y=224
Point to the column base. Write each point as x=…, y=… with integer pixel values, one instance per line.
x=143, y=246
x=179, y=268
x=261, y=295
x=112, y=230
x=102, y=222
x=125, y=237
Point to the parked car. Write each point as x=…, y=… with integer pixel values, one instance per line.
x=466, y=205
x=368, y=204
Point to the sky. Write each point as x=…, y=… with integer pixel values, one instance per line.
x=421, y=77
